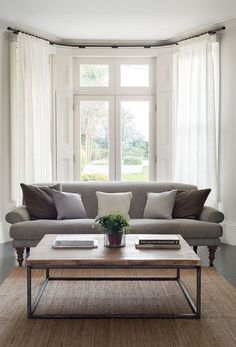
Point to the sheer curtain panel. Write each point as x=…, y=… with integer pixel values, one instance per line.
x=196, y=117
x=31, y=120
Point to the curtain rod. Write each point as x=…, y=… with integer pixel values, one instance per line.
x=211, y=32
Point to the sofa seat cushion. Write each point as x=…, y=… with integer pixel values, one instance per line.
x=187, y=228
x=35, y=230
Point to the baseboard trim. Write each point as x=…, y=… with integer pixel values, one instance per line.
x=4, y=232
x=229, y=233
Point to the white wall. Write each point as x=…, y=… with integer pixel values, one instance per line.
x=5, y=203
x=228, y=132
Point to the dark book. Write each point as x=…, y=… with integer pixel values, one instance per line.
x=158, y=242
x=156, y=246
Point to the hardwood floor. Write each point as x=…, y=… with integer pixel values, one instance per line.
x=225, y=262
x=7, y=260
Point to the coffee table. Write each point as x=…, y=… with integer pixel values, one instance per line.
x=45, y=257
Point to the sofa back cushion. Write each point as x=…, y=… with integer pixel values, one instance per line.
x=39, y=201
x=139, y=193
x=190, y=204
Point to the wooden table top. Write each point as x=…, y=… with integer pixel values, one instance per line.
x=43, y=253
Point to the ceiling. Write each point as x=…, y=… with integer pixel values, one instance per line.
x=120, y=20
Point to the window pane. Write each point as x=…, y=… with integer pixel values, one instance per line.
x=134, y=75
x=94, y=116
x=135, y=140
x=94, y=75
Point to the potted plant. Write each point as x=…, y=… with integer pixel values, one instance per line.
x=114, y=226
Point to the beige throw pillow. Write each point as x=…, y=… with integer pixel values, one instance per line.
x=160, y=205
x=113, y=203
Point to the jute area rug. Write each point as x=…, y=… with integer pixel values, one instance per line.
x=216, y=328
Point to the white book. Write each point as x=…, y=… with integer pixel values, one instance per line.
x=72, y=240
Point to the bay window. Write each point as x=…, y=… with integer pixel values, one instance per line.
x=114, y=130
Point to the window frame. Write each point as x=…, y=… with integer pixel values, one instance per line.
x=77, y=139
x=134, y=90
x=115, y=94
x=152, y=133
x=114, y=87
x=93, y=90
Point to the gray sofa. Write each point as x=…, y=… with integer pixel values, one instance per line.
x=206, y=231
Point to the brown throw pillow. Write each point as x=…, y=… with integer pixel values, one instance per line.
x=189, y=204
x=39, y=201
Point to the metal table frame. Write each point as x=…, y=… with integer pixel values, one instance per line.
x=195, y=308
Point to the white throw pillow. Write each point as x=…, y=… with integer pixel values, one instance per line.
x=68, y=205
x=113, y=203
x=160, y=205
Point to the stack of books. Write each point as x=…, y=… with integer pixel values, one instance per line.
x=73, y=241
x=158, y=242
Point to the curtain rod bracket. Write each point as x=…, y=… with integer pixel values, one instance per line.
x=213, y=32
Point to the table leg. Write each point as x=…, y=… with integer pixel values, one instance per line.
x=198, y=293
x=29, y=293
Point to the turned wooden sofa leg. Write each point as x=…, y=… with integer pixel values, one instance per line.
x=20, y=255
x=195, y=249
x=212, y=251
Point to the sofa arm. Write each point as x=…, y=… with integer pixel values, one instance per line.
x=19, y=214
x=210, y=214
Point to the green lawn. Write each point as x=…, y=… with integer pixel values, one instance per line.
x=137, y=177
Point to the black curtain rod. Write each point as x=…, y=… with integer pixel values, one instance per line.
x=16, y=31
x=211, y=32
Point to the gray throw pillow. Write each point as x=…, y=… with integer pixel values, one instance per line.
x=189, y=204
x=160, y=205
x=68, y=205
x=39, y=201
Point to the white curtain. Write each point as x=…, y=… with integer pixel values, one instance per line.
x=196, y=116
x=31, y=122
